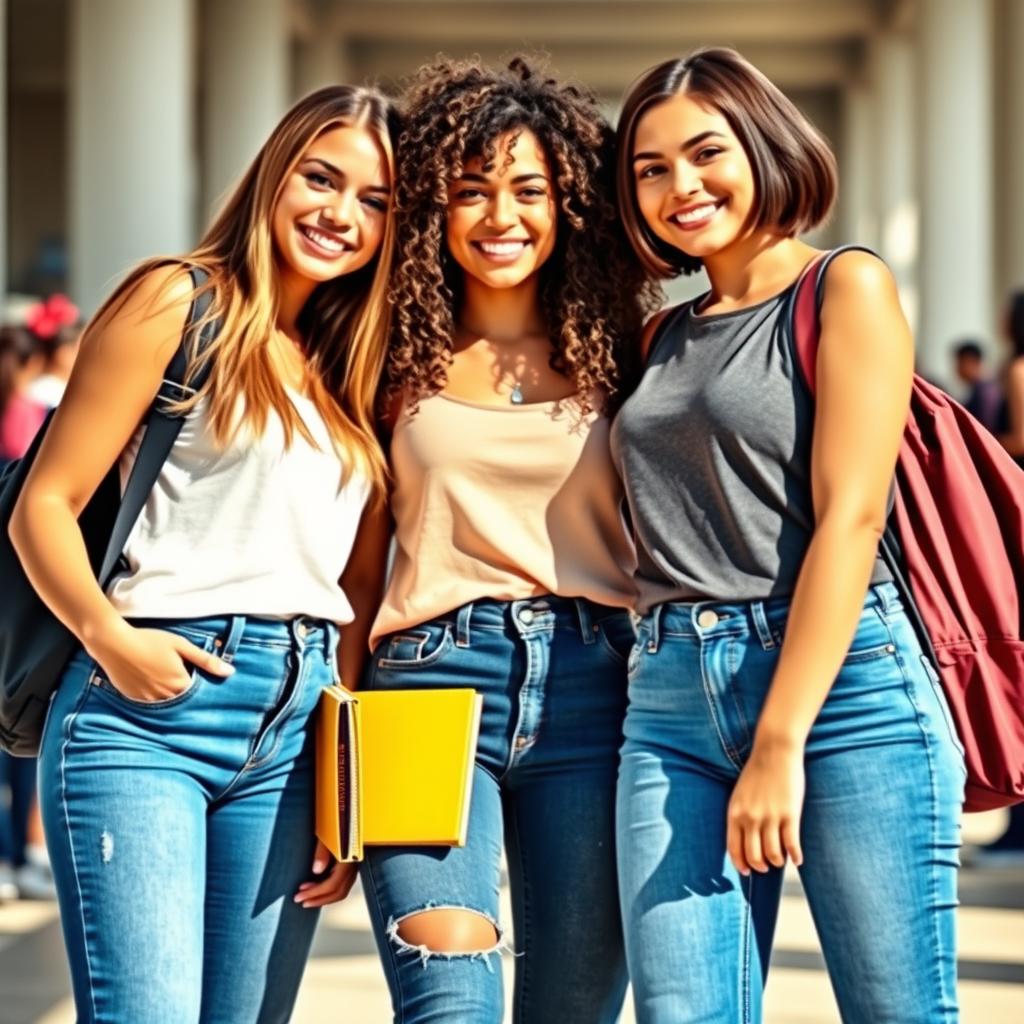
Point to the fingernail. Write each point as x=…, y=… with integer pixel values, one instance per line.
x=318, y=866
x=229, y=668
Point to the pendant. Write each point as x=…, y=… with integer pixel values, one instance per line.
x=516, y=397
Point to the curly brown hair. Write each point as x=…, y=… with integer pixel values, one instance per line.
x=593, y=292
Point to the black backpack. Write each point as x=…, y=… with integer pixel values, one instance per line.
x=34, y=646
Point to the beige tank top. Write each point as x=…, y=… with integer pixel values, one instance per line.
x=505, y=503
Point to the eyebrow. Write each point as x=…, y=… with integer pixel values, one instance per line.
x=517, y=180
x=339, y=173
x=688, y=144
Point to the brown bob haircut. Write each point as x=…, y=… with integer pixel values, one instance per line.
x=794, y=169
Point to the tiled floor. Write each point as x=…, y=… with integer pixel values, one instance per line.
x=343, y=982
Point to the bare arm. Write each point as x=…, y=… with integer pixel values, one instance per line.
x=363, y=584
x=116, y=376
x=1013, y=439
x=864, y=373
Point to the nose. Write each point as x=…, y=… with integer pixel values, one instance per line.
x=501, y=214
x=340, y=211
x=686, y=179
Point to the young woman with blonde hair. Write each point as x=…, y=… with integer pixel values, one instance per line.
x=176, y=776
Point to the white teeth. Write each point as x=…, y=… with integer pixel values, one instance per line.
x=324, y=241
x=502, y=248
x=697, y=213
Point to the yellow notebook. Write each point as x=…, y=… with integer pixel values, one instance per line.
x=395, y=767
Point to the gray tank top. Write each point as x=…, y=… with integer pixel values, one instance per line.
x=714, y=449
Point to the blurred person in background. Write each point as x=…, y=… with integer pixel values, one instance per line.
x=1008, y=849
x=1012, y=434
x=23, y=861
x=55, y=323
x=984, y=397
x=21, y=361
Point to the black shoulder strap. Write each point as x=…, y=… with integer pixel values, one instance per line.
x=162, y=426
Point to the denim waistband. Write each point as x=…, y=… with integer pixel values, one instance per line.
x=530, y=615
x=764, y=618
x=229, y=632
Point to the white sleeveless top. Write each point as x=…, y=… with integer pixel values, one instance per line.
x=252, y=528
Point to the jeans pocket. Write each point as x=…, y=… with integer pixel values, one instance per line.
x=416, y=648
x=101, y=681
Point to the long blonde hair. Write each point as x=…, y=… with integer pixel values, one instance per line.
x=345, y=322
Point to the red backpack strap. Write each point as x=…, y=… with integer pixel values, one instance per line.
x=806, y=322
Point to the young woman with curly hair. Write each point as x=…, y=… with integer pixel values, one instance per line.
x=780, y=705
x=176, y=775
x=513, y=300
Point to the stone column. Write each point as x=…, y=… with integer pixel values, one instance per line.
x=245, y=87
x=893, y=163
x=1009, y=197
x=320, y=61
x=857, y=214
x=956, y=178
x=130, y=101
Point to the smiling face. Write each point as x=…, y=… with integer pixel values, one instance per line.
x=694, y=182
x=331, y=212
x=502, y=217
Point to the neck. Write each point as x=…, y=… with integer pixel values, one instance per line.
x=754, y=265
x=501, y=314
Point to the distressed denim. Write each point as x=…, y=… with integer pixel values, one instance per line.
x=179, y=830
x=880, y=828
x=552, y=672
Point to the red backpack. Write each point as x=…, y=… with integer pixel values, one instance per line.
x=955, y=545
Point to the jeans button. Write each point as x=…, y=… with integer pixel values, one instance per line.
x=526, y=616
x=707, y=619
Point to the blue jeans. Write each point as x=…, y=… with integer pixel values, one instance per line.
x=179, y=830
x=880, y=827
x=552, y=672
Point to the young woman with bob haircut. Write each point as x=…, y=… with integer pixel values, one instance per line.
x=176, y=768
x=514, y=296
x=780, y=705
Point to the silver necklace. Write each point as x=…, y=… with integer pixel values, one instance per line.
x=516, y=395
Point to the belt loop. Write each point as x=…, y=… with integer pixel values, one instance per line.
x=236, y=627
x=462, y=621
x=587, y=627
x=764, y=633
x=654, y=640
x=880, y=592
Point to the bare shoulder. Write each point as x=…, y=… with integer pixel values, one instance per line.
x=135, y=336
x=857, y=276
x=160, y=299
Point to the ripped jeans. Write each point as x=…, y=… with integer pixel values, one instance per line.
x=179, y=830
x=552, y=674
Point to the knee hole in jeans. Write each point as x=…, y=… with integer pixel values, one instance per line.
x=446, y=931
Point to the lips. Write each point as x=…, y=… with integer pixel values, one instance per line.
x=325, y=244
